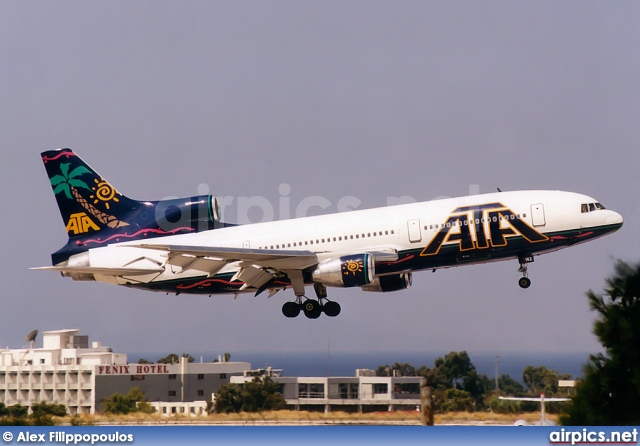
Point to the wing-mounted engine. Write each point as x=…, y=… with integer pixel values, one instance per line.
x=346, y=271
x=384, y=284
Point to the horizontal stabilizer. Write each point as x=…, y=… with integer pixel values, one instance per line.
x=102, y=271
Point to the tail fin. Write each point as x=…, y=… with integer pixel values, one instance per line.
x=87, y=202
x=96, y=214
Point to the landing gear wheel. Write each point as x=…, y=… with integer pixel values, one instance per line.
x=312, y=309
x=291, y=309
x=524, y=282
x=331, y=309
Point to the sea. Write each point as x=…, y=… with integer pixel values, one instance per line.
x=341, y=363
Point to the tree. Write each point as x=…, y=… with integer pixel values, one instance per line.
x=609, y=394
x=144, y=361
x=457, y=371
x=225, y=358
x=509, y=386
x=133, y=401
x=57, y=410
x=254, y=396
x=456, y=400
x=172, y=358
x=400, y=369
x=542, y=380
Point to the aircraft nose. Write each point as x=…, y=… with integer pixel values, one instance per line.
x=614, y=219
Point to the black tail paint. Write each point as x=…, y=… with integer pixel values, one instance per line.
x=96, y=214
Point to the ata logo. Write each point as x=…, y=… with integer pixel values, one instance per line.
x=481, y=227
x=353, y=267
x=80, y=223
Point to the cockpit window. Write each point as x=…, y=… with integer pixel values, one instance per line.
x=589, y=207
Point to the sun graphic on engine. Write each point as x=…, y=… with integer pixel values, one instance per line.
x=353, y=267
x=104, y=192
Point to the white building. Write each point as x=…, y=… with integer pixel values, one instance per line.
x=67, y=371
x=362, y=392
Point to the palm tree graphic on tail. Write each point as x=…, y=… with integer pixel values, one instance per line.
x=69, y=183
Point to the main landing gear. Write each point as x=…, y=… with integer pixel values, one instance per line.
x=312, y=308
x=524, y=281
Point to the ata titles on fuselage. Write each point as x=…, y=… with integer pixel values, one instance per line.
x=481, y=227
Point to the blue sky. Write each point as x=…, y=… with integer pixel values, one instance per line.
x=369, y=99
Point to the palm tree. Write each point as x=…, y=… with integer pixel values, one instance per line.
x=609, y=394
x=68, y=182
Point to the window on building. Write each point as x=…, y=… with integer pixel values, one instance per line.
x=172, y=393
x=223, y=376
x=380, y=388
x=172, y=376
x=200, y=375
x=200, y=392
x=354, y=390
x=42, y=361
x=137, y=377
x=312, y=390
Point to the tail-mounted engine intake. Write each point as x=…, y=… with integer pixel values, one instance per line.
x=384, y=284
x=346, y=271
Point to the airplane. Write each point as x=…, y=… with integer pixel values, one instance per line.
x=182, y=246
x=543, y=415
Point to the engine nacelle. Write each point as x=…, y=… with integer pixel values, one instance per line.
x=346, y=271
x=384, y=284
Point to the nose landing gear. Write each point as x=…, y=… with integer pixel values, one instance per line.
x=524, y=281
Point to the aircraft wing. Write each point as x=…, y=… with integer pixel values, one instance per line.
x=257, y=266
x=277, y=259
x=538, y=399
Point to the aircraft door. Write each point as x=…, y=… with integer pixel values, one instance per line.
x=537, y=214
x=414, y=231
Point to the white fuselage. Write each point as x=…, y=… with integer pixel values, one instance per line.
x=401, y=228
